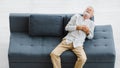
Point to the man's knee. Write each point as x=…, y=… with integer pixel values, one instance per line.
x=82, y=59
x=53, y=54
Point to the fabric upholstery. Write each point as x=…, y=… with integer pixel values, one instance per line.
x=64, y=65
x=45, y=25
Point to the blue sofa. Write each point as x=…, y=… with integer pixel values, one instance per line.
x=34, y=36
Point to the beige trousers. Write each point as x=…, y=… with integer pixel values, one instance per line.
x=79, y=51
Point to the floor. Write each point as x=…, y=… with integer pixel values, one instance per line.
x=106, y=12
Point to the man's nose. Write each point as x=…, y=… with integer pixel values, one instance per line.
x=87, y=11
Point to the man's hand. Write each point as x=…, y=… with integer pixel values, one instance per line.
x=79, y=27
x=85, y=29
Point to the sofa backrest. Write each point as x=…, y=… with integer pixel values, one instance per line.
x=46, y=25
x=19, y=22
x=39, y=24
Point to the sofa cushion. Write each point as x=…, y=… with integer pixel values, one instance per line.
x=45, y=25
x=19, y=22
x=24, y=48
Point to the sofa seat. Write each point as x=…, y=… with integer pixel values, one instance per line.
x=25, y=48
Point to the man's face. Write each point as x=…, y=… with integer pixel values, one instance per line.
x=90, y=10
x=88, y=13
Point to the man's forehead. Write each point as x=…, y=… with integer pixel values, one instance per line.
x=91, y=8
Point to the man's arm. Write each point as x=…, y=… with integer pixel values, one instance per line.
x=85, y=29
x=71, y=26
x=91, y=31
x=88, y=30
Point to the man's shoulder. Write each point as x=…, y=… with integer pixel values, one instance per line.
x=76, y=14
x=92, y=22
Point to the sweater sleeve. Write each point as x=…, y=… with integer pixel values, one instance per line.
x=71, y=24
x=91, y=33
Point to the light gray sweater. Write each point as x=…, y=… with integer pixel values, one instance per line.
x=77, y=37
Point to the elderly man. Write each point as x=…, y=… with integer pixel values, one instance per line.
x=79, y=27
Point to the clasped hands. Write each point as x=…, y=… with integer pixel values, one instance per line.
x=84, y=28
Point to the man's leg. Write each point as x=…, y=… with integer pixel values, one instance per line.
x=55, y=54
x=81, y=56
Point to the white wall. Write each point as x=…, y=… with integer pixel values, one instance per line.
x=106, y=12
